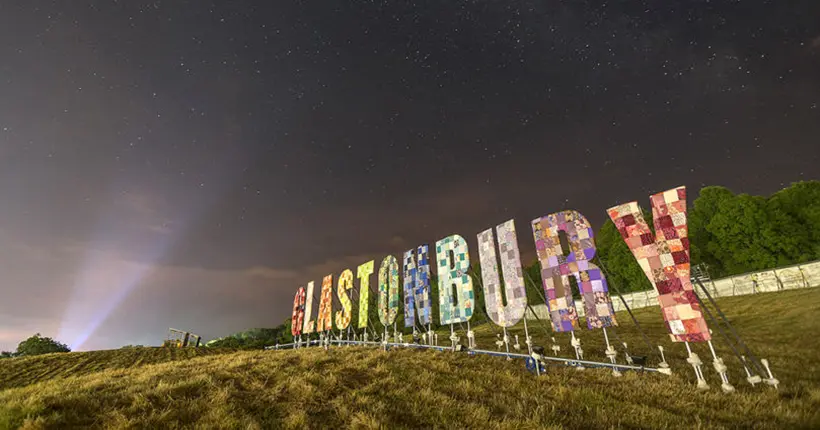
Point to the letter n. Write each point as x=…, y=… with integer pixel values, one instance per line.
x=388, y=290
x=417, y=287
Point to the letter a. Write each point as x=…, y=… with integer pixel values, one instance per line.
x=323, y=321
x=664, y=258
x=454, y=306
x=504, y=316
x=556, y=269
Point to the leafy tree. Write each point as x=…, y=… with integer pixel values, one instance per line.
x=534, y=283
x=739, y=231
x=704, y=208
x=257, y=338
x=788, y=239
x=286, y=336
x=6, y=354
x=800, y=202
x=37, y=345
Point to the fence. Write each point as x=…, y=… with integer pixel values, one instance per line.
x=784, y=278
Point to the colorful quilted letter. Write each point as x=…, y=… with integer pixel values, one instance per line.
x=664, y=258
x=363, y=273
x=417, y=287
x=456, y=296
x=508, y=315
x=296, y=319
x=308, y=327
x=345, y=284
x=388, y=290
x=323, y=321
x=557, y=267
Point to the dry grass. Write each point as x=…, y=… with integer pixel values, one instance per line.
x=366, y=388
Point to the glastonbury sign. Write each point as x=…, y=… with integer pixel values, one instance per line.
x=663, y=255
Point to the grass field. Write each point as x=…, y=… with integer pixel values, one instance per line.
x=367, y=388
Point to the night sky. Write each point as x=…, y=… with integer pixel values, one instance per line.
x=190, y=164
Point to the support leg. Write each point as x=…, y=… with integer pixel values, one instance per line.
x=611, y=353
x=694, y=360
x=555, y=347
x=663, y=366
x=771, y=380
x=752, y=379
x=453, y=338
x=579, y=353
x=507, y=342
x=528, y=339
x=720, y=368
x=626, y=355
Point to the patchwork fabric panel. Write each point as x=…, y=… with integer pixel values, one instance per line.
x=424, y=303
x=307, y=328
x=409, y=280
x=296, y=319
x=516, y=294
x=664, y=258
x=388, y=290
x=323, y=321
x=556, y=268
x=345, y=284
x=417, y=287
x=363, y=273
x=453, y=262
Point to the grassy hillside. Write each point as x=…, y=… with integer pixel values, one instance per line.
x=366, y=388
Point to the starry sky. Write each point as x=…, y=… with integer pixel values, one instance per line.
x=189, y=164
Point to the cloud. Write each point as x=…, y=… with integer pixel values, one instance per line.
x=17, y=329
x=270, y=273
x=140, y=203
x=144, y=211
x=99, y=298
x=398, y=242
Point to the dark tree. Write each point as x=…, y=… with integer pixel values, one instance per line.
x=704, y=208
x=37, y=345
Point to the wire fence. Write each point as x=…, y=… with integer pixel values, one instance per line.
x=804, y=275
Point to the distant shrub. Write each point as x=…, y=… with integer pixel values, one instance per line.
x=38, y=345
